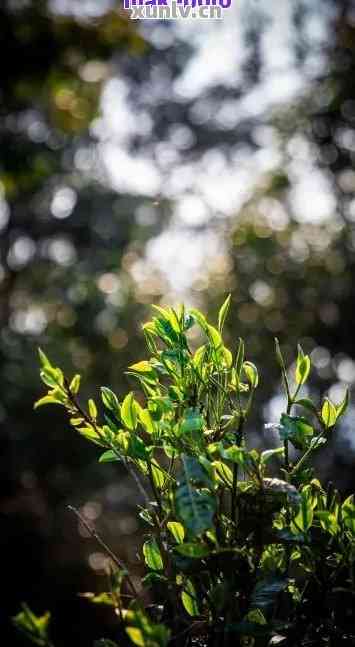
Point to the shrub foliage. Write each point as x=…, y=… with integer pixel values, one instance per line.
x=242, y=547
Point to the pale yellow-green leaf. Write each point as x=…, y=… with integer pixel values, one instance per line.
x=214, y=337
x=45, y=363
x=328, y=413
x=92, y=409
x=147, y=421
x=222, y=315
x=75, y=384
x=47, y=399
x=251, y=373
x=177, y=530
x=342, y=407
x=303, y=367
x=136, y=636
x=129, y=412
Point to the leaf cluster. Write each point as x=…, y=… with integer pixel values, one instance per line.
x=240, y=543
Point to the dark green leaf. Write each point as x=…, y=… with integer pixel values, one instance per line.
x=190, y=549
x=195, y=507
x=297, y=430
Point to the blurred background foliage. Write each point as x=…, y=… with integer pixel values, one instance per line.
x=157, y=163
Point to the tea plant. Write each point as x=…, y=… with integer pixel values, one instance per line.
x=233, y=555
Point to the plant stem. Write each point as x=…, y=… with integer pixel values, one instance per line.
x=239, y=439
x=307, y=453
x=155, y=489
x=93, y=532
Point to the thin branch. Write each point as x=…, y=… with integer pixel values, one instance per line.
x=93, y=532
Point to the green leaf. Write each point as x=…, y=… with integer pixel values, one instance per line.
x=152, y=555
x=129, y=412
x=34, y=627
x=92, y=409
x=306, y=403
x=235, y=454
x=146, y=420
x=227, y=356
x=105, y=599
x=44, y=361
x=110, y=400
x=52, y=377
x=223, y=473
x=47, y=399
x=199, y=317
x=144, y=632
x=177, y=530
x=90, y=434
x=199, y=357
x=137, y=449
x=214, y=337
x=136, y=636
x=109, y=457
x=342, y=407
x=328, y=521
x=189, y=599
x=348, y=513
x=141, y=367
x=328, y=413
x=222, y=315
x=190, y=549
x=192, y=421
x=297, y=430
x=303, y=366
x=75, y=384
x=251, y=373
x=303, y=520
x=268, y=454
x=195, y=507
x=160, y=476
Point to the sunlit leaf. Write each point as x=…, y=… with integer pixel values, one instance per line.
x=251, y=373
x=342, y=407
x=129, y=412
x=328, y=413
x=34, y=627
x=223, y=313
x=303, y=520
x=75, y=384
x=152, y=555
x=177, y=530
x=109, y=457
x=303, y=366
x=189, y=598
x=110, y=400
x=92, y=409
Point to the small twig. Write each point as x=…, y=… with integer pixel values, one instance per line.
x=93, y=532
